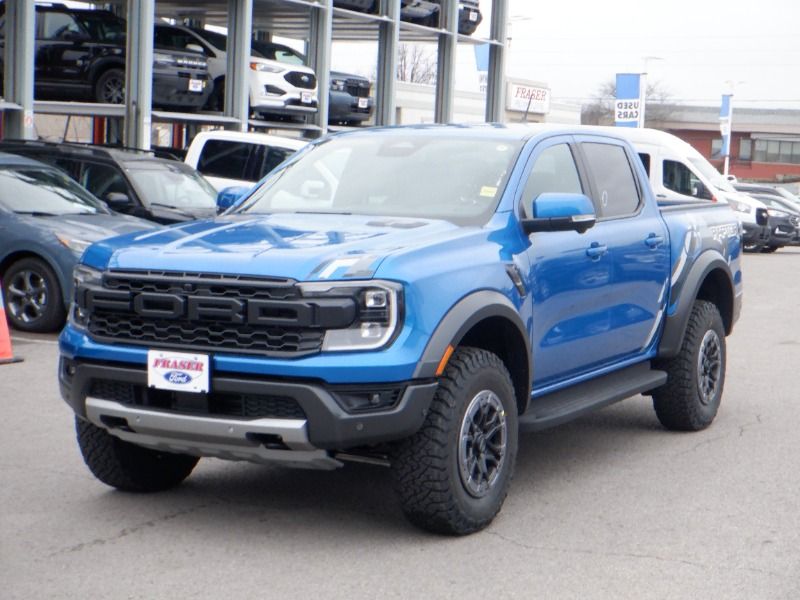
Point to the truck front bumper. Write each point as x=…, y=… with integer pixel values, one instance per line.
x=243, y=418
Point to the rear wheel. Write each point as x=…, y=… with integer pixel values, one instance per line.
x=690, y=399
x=110, y=87
x=33, y=296
x=129, y=467
x=453, y=475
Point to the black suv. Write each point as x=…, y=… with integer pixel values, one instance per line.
x=80, y=54
x=133, y=182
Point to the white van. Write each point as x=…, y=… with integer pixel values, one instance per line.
x=677, y=171
x=234, y=158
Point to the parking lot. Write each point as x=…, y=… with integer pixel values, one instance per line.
x=610, y=506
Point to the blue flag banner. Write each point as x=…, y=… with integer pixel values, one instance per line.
x=725, y=117
x=629, y=104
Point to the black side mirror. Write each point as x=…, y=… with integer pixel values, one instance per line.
x=558, y=212
x=118, y=202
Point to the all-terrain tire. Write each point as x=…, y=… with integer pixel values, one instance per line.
x=129, y=467
x=453, y=475
x=690, y=399
x=33, y=296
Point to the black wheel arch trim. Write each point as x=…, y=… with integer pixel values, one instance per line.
x=675, y=325
x=460, y=319
x=103, y=65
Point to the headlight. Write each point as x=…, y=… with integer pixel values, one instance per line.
x=774, y=212
x=265, y=68
x=740, y=206
x=338, y=85
x=379, y=307
x=82, y=277
x=75, y=244
x=162, y=59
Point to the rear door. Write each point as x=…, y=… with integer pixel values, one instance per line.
x=637, y=240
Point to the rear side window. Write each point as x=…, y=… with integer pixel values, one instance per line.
x=679, y=178
x=553, y=171
x=272, y=158
x=223, y=158
x=617, y=194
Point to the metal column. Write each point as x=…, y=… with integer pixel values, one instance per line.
x=446, y=63
x=139, y=74
x=388, y=41
x=495, y=85
x=319, y=54
x=237, y=81
x=20, y=50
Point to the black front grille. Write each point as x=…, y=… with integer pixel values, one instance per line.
x=357, y=88
x=306, y=81
x=119, y=321
x=249, y=406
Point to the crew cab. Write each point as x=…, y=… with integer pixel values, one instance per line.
x=411, y=296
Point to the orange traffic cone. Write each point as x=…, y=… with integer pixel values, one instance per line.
x=6, y=356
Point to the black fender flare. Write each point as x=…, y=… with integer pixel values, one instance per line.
x=462, y=317
x=104, y=64
x=675, y=325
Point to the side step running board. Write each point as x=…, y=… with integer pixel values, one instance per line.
x=562, y=406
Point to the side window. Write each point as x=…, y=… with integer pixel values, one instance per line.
x=679, y=178
x=57, y=25
x=645, y=158
x=614, y=183
x=222, y=158
x=167, y=37
x=102, y=180
x=273, y=157
x=553, y=171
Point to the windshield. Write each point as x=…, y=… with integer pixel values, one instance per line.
x=277, y=52
x=456, y=178
x=708, y=171
x=103, y=28
x=46, y=191
x=171, y=185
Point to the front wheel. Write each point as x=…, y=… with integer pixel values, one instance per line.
x=695, y=377
x=110, y=87
x=129, y=467
x=33, y=296
x=453, y=475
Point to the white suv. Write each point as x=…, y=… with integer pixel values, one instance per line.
x=276, y=88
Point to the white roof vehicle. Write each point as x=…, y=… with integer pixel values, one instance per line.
x=233, y=158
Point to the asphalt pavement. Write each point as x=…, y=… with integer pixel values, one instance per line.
x=609, y=506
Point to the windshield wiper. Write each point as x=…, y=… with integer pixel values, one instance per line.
x=36, y=213
x=172, y=207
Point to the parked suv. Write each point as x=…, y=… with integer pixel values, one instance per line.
x=133, y=182
x=80, y=54
x=349, y=100
x=424, y=12
x=275, y=87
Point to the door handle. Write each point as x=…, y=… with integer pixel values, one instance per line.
x=596, y=250
x=654, y=241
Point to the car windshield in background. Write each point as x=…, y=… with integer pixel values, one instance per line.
x=45, y=191
x=171, y=185
x=458, y=179
x=277, y=52
x=103, y=28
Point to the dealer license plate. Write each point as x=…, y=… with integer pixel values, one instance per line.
x=178, y=371
x=363, y=102
x=305, y=97
x=473, y=16
x=196, y=85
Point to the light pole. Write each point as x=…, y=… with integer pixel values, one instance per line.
x=643, y=87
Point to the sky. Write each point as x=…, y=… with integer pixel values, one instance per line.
x=704, y=47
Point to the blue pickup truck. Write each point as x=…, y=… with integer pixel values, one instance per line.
x=410, y=296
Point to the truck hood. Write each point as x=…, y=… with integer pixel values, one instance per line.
x=297, y=246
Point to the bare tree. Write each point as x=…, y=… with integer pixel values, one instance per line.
x=600, y=110
x=416, y=64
